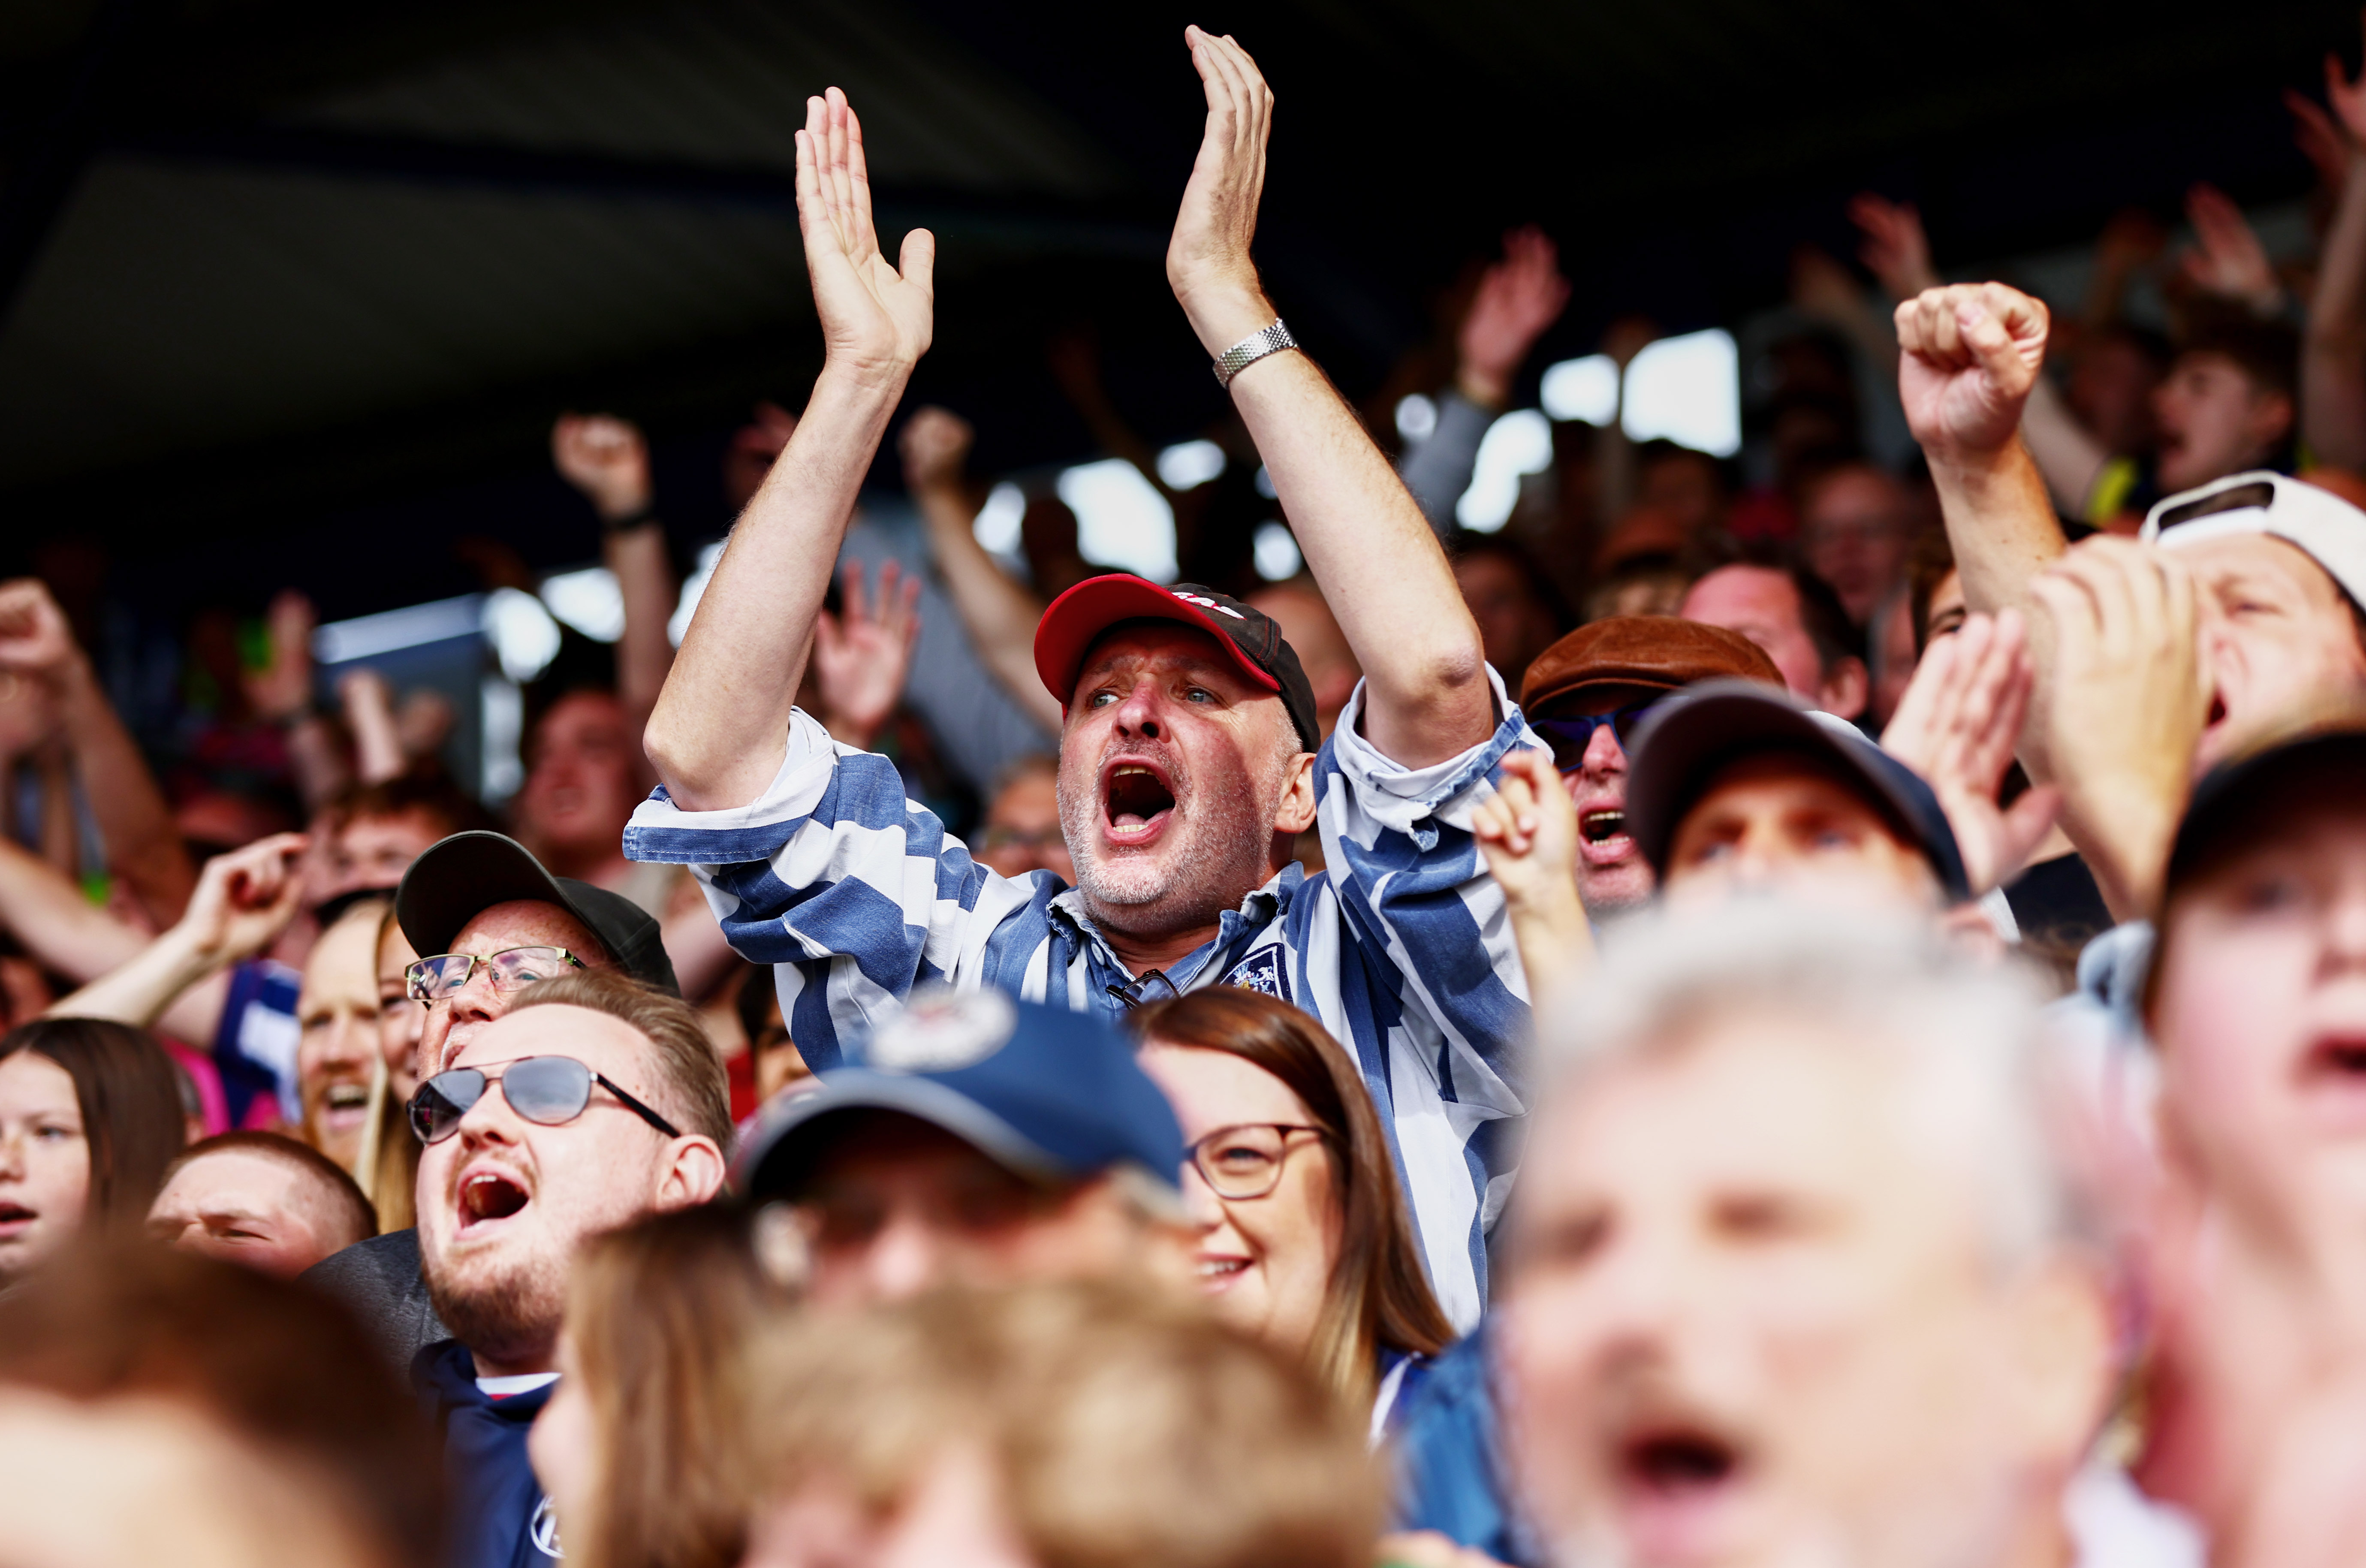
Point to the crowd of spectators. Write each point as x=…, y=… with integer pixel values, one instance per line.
x=1812, y=1019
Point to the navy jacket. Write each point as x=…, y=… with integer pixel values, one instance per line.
x=499, y=1516
x=1450, y=1472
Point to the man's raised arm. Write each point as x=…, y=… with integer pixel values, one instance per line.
x=1426, y=696
x=722, y=721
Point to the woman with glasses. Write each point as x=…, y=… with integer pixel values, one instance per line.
x=1303, y=1238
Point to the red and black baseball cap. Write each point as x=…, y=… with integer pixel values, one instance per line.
x=1079, y=618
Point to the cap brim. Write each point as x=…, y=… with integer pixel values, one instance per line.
x=1077, y=618
x=771, y=1156
x=457, y=878
x=2225, y=801
x=1684, y=743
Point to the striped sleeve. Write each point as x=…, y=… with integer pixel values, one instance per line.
x=833, y=873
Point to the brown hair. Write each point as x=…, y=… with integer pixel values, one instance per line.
x=658, y=1315
x=391, y=1182
x=130, y=1094
x=1379, y=1296
x=1123, y=1427
x=697, y=1092
x=272, y=1360
x=343, y=1193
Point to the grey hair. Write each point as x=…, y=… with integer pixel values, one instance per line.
x=1980, y=1082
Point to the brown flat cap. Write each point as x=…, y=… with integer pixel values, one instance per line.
x=1654, y=653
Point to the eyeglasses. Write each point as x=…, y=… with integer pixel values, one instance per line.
x=1246, y=1161
x=547, y=1090
x=1153, y=986
x=434, y=979
x=1570, y=737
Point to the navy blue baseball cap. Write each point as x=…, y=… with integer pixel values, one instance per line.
x=1688, y=739
x=1048, y=1094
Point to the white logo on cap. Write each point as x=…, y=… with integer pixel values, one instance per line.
x=1206, y=604
x=940, y=1030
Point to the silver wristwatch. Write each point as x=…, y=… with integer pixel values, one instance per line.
x=1252, y=348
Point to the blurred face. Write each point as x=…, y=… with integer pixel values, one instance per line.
x=1688, y=487
x=338, y=1047
x=1022, y=829
x=374, y=851
x=1745, y=1291
x=1854, y=527
x=1312, y=632
x=585, y=780
x=457, y=1019
x=401, y=1021
x=44, y=1162
x=1761, y=604
x=2278, y=637
x=895, y=1207
x=504, y=1202
x=250, y=1210
x=2215, y=420
x=2111, y=390
x=2260, y=1015
x=1177, y=777
x=1266, y=1263
x=1945, y=615
x=1514, y=625
x=565, y=1446
x=955, y=1516
x=1779, y=823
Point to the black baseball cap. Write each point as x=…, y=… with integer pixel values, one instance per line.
x=460, y=876
x=1691, y=738
x=1079, y=618
x=2237, y=802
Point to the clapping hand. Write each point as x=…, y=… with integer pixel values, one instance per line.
x=1208, y=258
x=246, y=898
x=1528, y=831
x=1518, y=298
x=1970, y=353
x=860, y=658
x=876, y=319
x=606, y=459
x=1957, y=725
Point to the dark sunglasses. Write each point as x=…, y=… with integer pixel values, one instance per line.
x=1570, y=737
x=548, y=1090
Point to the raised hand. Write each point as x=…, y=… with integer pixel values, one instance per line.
x=246, y=898
x=35, y=641
x=860, y=658
x=1528, y=831
x=283, y=689
x=1895, y=250
x=876, y=319
x=1208, y=257
x=1518, y=298
x=606, y=459
x=2227, y=259
x=1969, y=354
x=2348, y=97
x=1958, y=724
x=934, y=445
x=2131, y=696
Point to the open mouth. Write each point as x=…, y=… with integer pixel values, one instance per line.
x=2341, y=1058
x=345, y=1102
x=17, y=1214
x=489, y=1195
x=1136, y=802
x=1677, y=1463
x=1600, y=827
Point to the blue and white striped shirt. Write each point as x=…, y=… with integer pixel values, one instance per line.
x=1402, y=947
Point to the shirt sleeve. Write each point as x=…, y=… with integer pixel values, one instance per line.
x=1417, y=896
x=834, y=871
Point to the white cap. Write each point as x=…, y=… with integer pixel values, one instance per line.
x=2332, y=531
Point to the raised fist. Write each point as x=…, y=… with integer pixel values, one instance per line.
x=604, y=457
x=935, y=443
x=35, y=640
x=1968, y=355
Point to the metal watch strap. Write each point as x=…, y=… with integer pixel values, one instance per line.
x=1252, y=348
